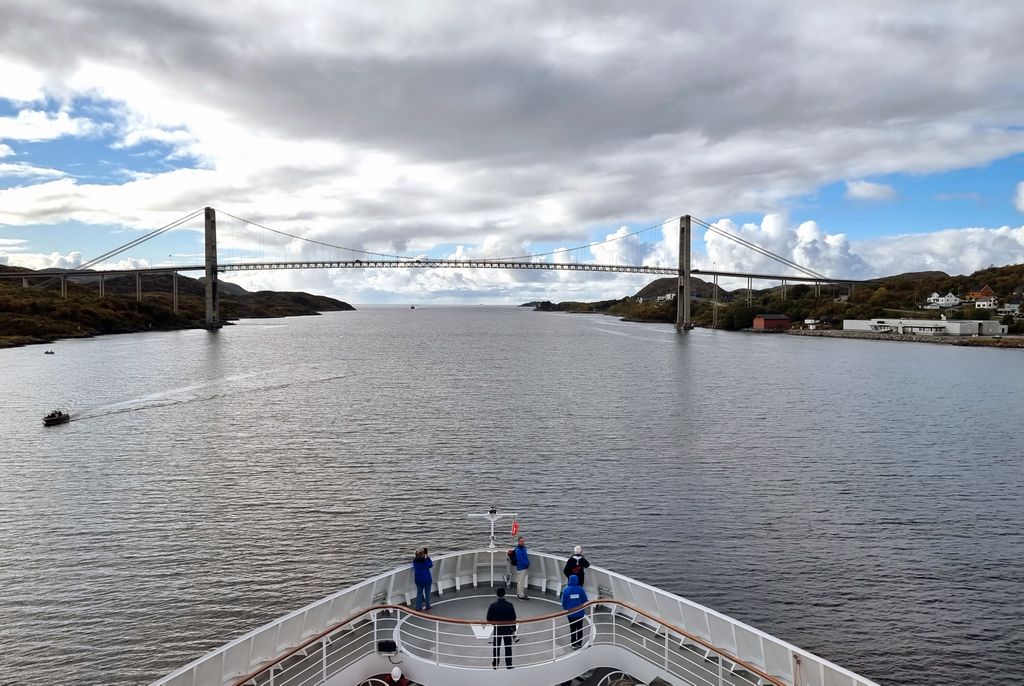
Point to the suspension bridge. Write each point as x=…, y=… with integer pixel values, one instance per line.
x=250, y=246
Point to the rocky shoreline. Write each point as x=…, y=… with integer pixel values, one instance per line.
x=968, y=341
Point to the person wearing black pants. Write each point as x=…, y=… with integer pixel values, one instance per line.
x=576, y=633
x=502, y=611
x=574, y=596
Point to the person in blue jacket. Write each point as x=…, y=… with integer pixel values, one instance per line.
x=573, y=595
x=421, y=565
x=522, y=565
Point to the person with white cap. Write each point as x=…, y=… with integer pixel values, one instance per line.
x=576, y=564
x=397, y=678
x=393, y=679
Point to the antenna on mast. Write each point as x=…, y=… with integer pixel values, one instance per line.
x=492, y=516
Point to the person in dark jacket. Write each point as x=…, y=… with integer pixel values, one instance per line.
x=522, y=567
x=573, y=595
x=576, y=564
x=502, y=611
x=421, y=565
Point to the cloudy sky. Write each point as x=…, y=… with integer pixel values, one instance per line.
x=863, y=139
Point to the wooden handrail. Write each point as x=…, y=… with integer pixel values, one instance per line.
x=542, y=618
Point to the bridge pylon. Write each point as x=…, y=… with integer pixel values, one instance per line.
x=683, y=292
x=212, y=301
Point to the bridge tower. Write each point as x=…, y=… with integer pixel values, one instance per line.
x=212, y=302
x=683, y=292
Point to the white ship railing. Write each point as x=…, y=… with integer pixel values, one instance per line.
x=679, y=637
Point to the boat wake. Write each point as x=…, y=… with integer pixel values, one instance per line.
x=207, y=391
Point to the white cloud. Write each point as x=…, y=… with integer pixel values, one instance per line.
x=27, y=171
x=1019, y=200
x=865, y=190
x=5, y=150
x=954, y=251
x=54, y=260
x=127, y=263
x=620, y=247
x=499, y=130
x=31, y=125
x=21, y=83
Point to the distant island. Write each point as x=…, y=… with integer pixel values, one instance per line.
x=38, y=314
x=903, y=295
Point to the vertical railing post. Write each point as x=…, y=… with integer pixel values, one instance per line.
x=554, y=641
x=721, y=672
x=666, y=650
x=437, y=642
x=323, y=660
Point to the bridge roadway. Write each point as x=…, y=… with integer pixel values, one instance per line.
x=434, y=264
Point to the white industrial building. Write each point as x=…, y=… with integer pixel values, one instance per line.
x=928, y=327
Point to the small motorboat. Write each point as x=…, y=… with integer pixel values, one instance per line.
x=57, y=417
x=48, y=352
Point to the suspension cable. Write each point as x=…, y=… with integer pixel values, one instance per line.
x=142, y=239
x=409, y=257
x=757, y=248
x=588, y=245
x=313, y=240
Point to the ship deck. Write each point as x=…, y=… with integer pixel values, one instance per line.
x=363, y=631
x=544, y=642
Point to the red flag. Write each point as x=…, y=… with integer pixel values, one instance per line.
x=515, y=527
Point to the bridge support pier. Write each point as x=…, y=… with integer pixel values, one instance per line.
x=750, y=292
x=714, y=317
x=24, y=282
x=63, y=286
x=212, y=301
x=102, y=286
x=683, y=291
x=138, y=287
x=174, y=291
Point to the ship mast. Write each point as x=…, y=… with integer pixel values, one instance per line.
x=492, y=515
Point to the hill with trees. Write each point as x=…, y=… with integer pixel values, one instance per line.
x=38, y=314
x=899, y=295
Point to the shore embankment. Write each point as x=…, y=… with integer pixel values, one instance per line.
x=969, y=341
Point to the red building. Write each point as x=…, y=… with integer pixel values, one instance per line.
x=771, y=322
x=982, y=294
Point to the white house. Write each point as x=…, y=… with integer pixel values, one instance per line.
x=928, y=327
x=936, y=301
x=1009, y=308
x=988, y=303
